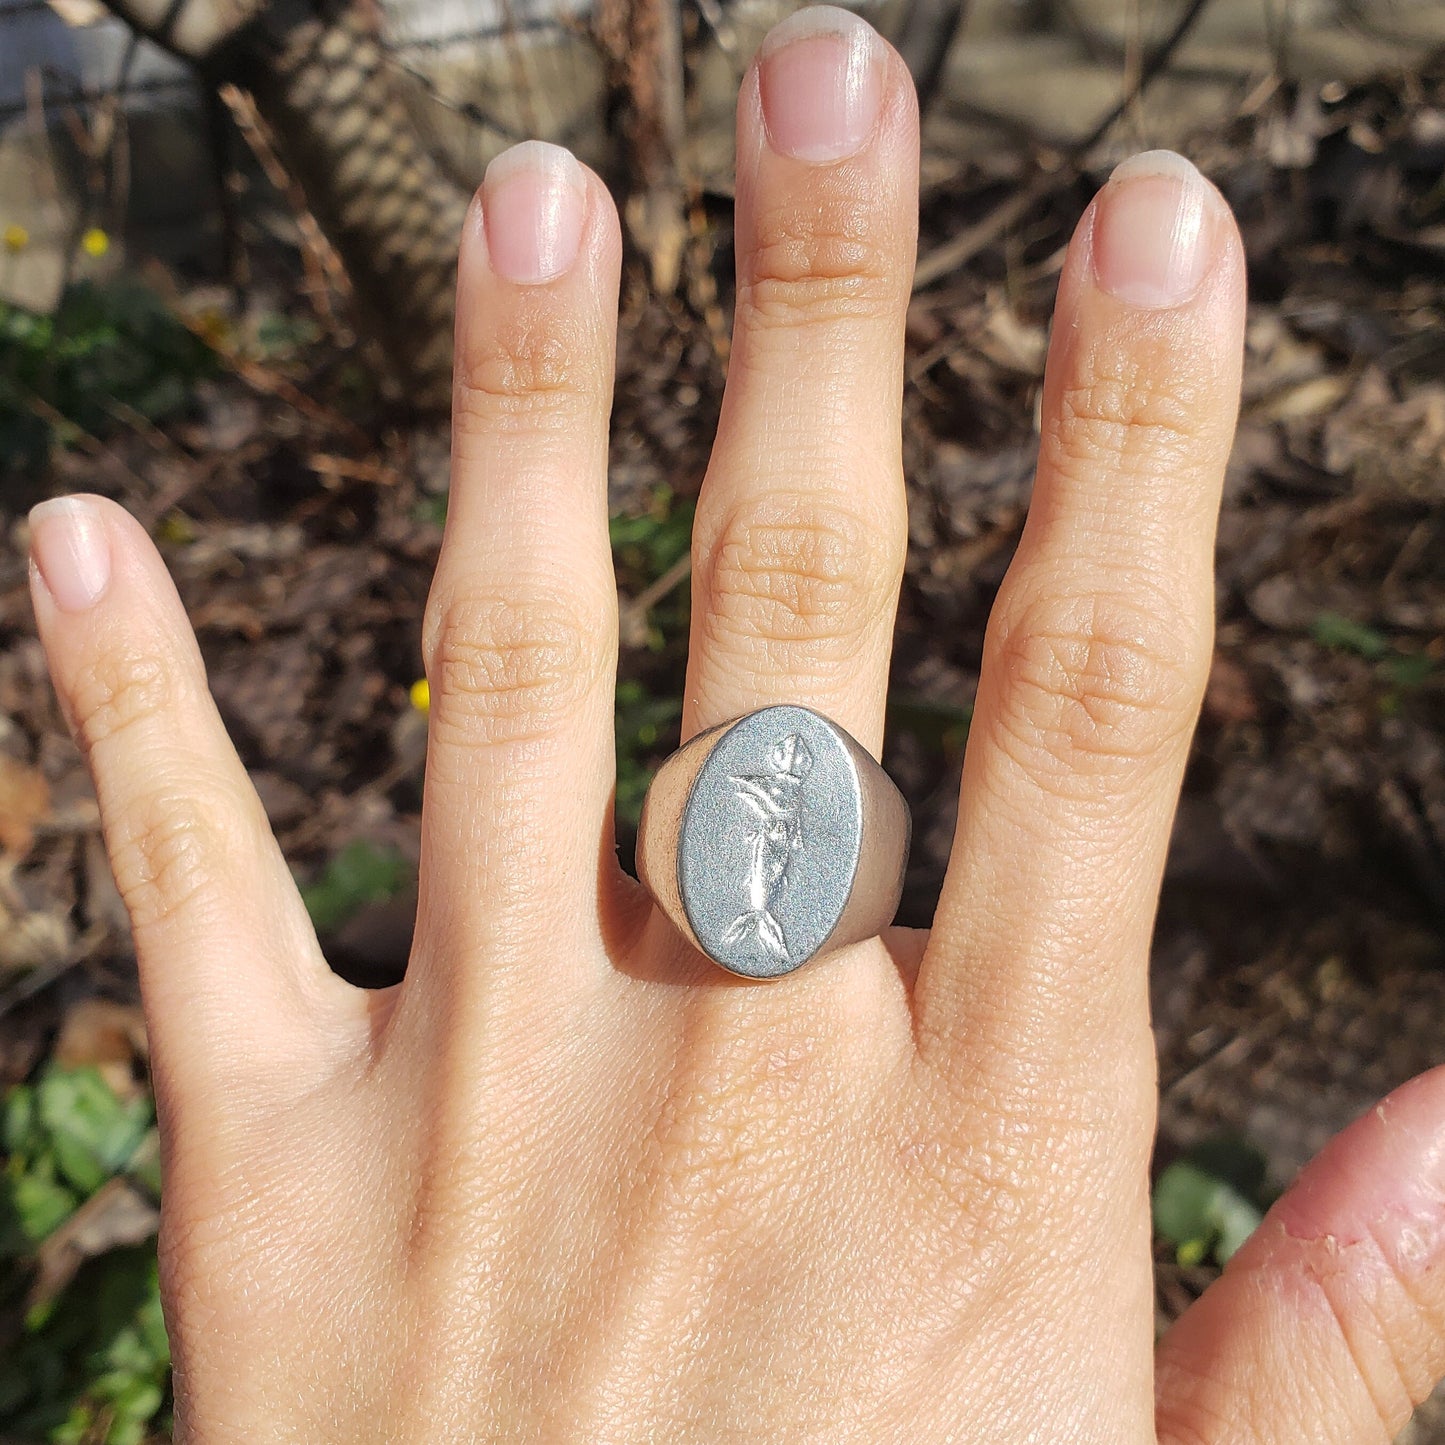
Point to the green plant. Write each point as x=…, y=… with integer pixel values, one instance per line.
x=360, y=874
x=1401, y=671
x=940, y=726
x=1344, y=634
x=642, y=721
x=88, y=1360
x=1211, y=1200
x=645, y=544
x=107, y=347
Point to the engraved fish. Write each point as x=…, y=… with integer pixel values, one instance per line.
x=774, y=833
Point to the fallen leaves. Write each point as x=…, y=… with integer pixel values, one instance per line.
x=24, y=804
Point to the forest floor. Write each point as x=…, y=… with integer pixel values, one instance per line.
x=1300, y=958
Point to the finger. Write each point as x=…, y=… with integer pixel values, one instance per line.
x=800, y=530
x=1096, y=653
x=229, y=967
x=1329, y=1324
x=520, y=635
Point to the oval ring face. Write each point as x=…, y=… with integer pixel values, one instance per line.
x=770, y=839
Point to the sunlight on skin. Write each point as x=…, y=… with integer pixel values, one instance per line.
x=566, y=1182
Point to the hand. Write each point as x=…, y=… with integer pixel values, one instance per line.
x=571, y=1182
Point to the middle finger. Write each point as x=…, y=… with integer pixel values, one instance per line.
x=800, y=532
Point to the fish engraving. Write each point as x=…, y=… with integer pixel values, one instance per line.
x=774, y=831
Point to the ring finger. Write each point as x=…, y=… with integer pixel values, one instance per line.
x=800, y=532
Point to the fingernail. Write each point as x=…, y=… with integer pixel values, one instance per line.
x=821, y=76
x=1153, y=232
x=69, y=548
x=534, y=201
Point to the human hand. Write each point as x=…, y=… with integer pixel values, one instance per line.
x=570, y=1181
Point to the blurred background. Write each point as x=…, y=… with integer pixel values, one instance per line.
x=225, y=269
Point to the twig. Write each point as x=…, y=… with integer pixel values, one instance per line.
x=256, y=376
x=91, y=445
x=632, y=624
x=947, y=258
x=640, y=42
x=517, y=64
x=723, y=32
x=37, y=980
x=332, y=468
x=324, y=271
x=962, y=248
x=924, y=39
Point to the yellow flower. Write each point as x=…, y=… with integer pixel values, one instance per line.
x=421, y=696
x=15, y=237
x=213, y=326
x=95, y=242
x=176, y=527
x=1191, y=1253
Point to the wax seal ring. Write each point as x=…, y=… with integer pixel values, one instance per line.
x=773, y=839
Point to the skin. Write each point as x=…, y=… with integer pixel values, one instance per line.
x=569, y=1181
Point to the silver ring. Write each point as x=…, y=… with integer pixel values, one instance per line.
x=773, y=839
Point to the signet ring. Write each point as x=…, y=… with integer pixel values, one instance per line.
x=773, y=839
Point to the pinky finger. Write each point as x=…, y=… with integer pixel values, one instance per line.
x=1329, y=1325
x=230, y=969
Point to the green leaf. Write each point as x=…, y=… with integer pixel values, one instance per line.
x=1345, y=635
x=360, y=874
x=642, y=721
x=940, y=725
x=431, y=511
x=96, y=1366
x=1234, y=1160
x=1198, y=1211
x=1184, y=1203
x=1237, y=1219
x=645, y=545
x=1409, y=670
x=106, y=343
x=92, y=1133
x=34, y=1206
x=18, y=1128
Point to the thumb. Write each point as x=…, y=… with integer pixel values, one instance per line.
x=1329, y=1324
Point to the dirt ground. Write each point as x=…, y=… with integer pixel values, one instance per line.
x=1299, y=961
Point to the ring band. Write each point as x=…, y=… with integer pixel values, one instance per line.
x=773, y=839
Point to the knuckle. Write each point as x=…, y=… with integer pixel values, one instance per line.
x=809, y=269
x=119, y=691
x=1116, y=412
x=507, y=671
x=1198, y=1407
x=811, y=587
x=1387, y=1394
x=1096, y=684
x=524, y=373
x=1406, y=1315
x=165, y=856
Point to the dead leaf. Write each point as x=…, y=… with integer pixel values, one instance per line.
x=24, y=803
x=79, y=13
x=1012, y=343
x=31, y=940
x=107, y=1036
x=1308, y=398
x=117, y=1214
x=1228, y=696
